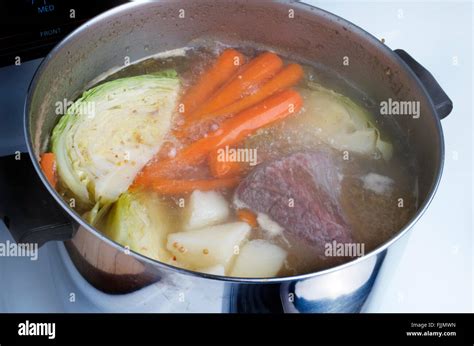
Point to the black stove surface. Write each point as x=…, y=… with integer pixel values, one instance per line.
x=14, y=82
x=29, y=29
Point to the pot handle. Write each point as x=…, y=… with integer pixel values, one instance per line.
x=442, y=102
x=27, y=208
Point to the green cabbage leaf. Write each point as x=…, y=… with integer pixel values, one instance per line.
x=109, y=134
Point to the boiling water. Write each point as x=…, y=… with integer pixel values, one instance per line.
x=378, y=197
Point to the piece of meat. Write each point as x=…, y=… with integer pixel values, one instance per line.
x=301, y=193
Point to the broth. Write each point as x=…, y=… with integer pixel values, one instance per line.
x=365, y=197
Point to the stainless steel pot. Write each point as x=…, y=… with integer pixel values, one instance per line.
x=296, y=30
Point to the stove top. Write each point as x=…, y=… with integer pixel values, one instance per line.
x=31, y=28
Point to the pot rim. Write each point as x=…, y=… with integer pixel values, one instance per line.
x=297, y=5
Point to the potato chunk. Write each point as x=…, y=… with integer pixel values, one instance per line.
x=214, y=270
x=208, y=246
x=259, y=258
x=205, y=209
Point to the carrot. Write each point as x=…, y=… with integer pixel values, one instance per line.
x=48, y=165
x=235, y=129
x=286, y=78
x=225, y=66
x=247, y=216
x=231, y=132
x=221, y=168
x=175, y=187
x=252, y=75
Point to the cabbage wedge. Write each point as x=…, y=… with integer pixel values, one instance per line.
x=339, y=122
x=141, y=221
x=109, y=134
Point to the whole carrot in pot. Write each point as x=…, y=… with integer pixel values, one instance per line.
x=244, y=82
x=286, y=78
x=220, y=72
x=176, y=187
x=235, y=129
x=231, y=132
